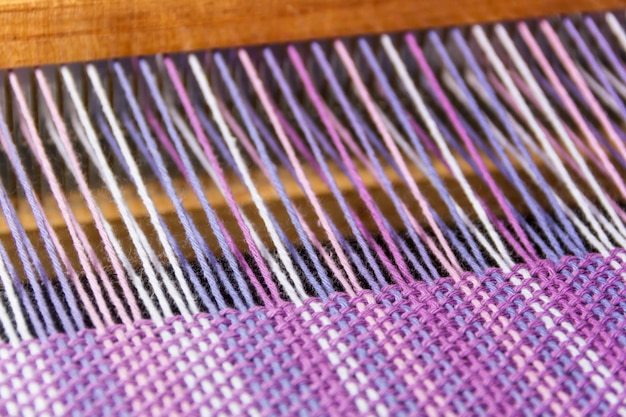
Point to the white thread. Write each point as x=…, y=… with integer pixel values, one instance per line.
x=604, y=124
x=521, y=104
x=583, y=229
x=412, y=155
x=526, y=138
x=343, y=135
x=351, y=285
x=231, y=142
x=600, y=91
x=134, y=231
x=79, y=284
x=143, y=194
x=422, y=109
x=604, y=221
x=395, y=153
x=77, y=234
x=205, y=163
x=608, y=225
x=502, y=139
x=155, y=262
x=618, y=84
x=561, y=132
x=143, y=294
x=191, y=141
x=189, y=138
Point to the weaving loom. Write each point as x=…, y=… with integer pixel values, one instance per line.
x=313, y=208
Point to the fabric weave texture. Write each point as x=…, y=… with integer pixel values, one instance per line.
x=543, y=340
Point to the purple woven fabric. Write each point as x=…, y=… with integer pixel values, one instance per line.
x=546, y=340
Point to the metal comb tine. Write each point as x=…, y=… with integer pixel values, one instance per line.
x=43, y=115
x=6, y=106
x=23, y=77
x=128, y=66
x=116, y=99
x=158, y=69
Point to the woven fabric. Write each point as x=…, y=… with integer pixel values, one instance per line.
x=541, y=340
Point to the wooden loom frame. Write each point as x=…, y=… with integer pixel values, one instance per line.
x=36, y=32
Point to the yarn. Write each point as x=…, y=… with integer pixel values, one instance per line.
x=416, y=224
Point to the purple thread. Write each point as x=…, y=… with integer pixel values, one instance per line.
x=400, y=114
x=164, y=176
x=267, y=167
x=195, y=183
x=363, y=270
x=423, y=64
x=328, y=179
x=508, y=169
x=175, y=247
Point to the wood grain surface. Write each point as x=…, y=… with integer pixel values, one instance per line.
x=34, y=32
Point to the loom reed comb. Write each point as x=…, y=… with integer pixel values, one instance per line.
x=312, y=208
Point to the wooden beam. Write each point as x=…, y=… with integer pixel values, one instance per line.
x=36, y=32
